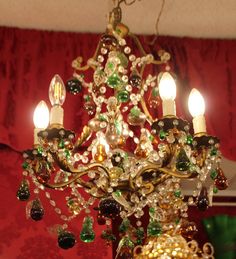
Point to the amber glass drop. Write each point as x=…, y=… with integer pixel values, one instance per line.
x=42, y=171
x=221, y=181
x=154, y=99
x=188, y=229
x=89, y=105
x=135, y=80
x=100, y=155
x=139, y=152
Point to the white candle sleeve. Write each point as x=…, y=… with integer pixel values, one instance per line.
x=168, y=107
x=56, y=115
x=36, y=138
x=199, y=124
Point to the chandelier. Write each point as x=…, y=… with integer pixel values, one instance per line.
x=133, y=163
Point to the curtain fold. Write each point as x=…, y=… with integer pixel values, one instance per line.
x=221, y=230
x=30, y=58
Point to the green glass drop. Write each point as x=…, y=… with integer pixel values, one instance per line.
x=87, y=234
x=114, y=81
x=213, y=151
x=177, y=193
x=189, y=139
x=123, y=96
x=123, y=59
x=151, y=210
x=127, y=242
x=177, y=221
x=215, y=189
x=155, y=92
x=25, y=165
x=61, y=144
x=118, y=193
x=124, y=225
x=87, y=98
x=135, y=111
x=40, y=150
x=140, y=235
x=182, y=161
x=108, y=235
x=213, y=174
x=162, y=134
x=153, y=228
x=67, y=153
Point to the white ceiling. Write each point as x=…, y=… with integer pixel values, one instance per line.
x=194, y=18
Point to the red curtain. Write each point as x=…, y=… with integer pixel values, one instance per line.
x=28, y=61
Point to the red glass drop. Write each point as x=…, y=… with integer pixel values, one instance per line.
x=221, y=181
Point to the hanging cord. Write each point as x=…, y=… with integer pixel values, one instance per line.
x=116, y=13
x=158, y=21
x=117, y=3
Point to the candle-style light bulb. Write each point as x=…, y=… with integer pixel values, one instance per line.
x=57, y=91
x=196, y=106
x=41, y=115
x=57, y=96
x=41, y=119
x=167, y=87
x=196, y=103
x=167, y=90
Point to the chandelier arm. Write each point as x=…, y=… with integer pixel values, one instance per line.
x=138, y=44
x=65, y=184
x=78, y=66
x=87, y=185
x=142, y=101
x=170, y=172
x=202, y=159
x=143, y=52
x=85, y=135
x=146, y=111
x=61, y=163
x=89, y=167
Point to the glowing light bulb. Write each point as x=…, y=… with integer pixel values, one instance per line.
x=167, y=87
x=41, y=116
x=167, y=90
x=57, y=91
x=196, y=104
x=196, y=107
